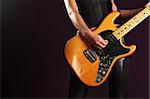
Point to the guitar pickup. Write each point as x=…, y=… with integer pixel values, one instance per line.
x=91, y=55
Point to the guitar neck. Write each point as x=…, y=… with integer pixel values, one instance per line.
x=129, y=25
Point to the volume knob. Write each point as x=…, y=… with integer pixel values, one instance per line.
x=103, y=72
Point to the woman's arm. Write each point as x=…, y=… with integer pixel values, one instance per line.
x=127, y=13
x=79, y=23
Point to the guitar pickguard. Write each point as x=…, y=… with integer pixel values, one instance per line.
x=108, y=54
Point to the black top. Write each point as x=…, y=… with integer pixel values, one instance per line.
x=93, y=11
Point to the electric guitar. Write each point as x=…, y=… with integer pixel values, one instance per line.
x=93, y=65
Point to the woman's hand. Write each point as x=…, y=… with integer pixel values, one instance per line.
x=95, y=40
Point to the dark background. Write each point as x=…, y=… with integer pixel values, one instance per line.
x=34, y=33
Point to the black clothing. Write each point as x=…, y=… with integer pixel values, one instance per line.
x=118, y=80
x=93, y=12
x=117, y=83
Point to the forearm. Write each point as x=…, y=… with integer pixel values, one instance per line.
x=129, y=13
x=75, y=16
x=78, y=22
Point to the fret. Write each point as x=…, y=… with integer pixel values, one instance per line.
x=133, y=22
x=147, y=11
x=129, y=25
x=126, y=27
x=140, y=15
x=136, y=20
x=143, y=14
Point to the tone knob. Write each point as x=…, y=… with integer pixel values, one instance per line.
x=105, y=65
x=103, y=72
x=100, y=71
x=101, y=64
x=98, y=80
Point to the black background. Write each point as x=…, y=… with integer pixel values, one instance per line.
x=34, y=33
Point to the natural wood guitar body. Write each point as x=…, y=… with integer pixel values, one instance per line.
x=86, y=70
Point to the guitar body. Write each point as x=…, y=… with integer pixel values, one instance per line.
x=92, y=65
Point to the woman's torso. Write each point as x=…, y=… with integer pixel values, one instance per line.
x=93, y=11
